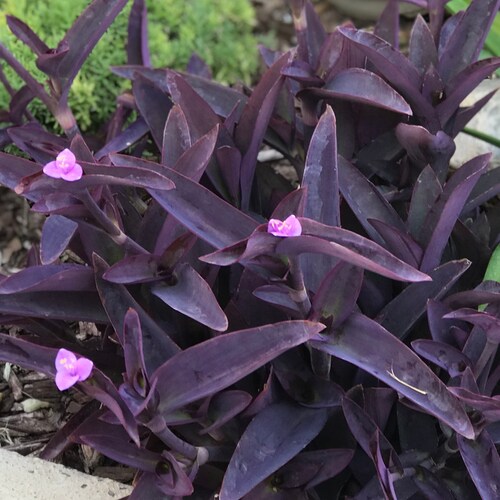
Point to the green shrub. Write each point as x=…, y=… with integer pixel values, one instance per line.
x=219, y=31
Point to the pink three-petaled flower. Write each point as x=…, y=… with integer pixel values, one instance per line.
x=285, y=228
x=71, y=369
x=64, y=167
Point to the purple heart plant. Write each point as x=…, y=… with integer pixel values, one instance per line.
x=307, y=330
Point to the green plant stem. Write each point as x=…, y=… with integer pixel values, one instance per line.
x=481, y=135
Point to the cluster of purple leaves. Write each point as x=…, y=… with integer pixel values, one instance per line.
x=347, y=360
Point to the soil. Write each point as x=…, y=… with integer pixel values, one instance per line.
x=31, y=407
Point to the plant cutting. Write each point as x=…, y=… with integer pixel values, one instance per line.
x=263, y=338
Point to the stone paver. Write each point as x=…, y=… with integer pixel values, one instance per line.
x=29, y=478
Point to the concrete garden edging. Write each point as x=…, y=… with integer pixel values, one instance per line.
x=30, y=478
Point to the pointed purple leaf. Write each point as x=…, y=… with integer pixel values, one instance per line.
x=320, y=177
x=154, y=105
x=422, y=52
x=487, y=187
x=364, y=87
x=49, y=278
x=426, y=191
x=194, y=161
x=182, y=379
x=443, y=355
x=338, y=293
x=322, y=197
x=405, y=309
x=365, y=200
x=483, y=463
x=488, y=322
x=224, y=406
x=463, y=84
x=116, y=300
x=254, y=121
x=81, y=38
x=309, y=31
x=176, y=137
x=191, y=295
x=348, y=246
x=467, y=39
x=273, y=437
x=398, y=367
x=395, y=68
x=443, y=216
x=387, y=26
x=24, y=33
x=402, y=245
x=56, y=235
x=197, y=208
x=137, y=41
x=135, y=269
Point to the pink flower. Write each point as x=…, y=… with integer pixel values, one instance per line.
x=71, y=370
x=286, y=228
x=65, y=167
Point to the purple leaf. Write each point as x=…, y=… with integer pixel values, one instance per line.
x=397, y=366
x=488, y=322
x=74, y=306
x=483, y=463
x=402, y=245
x=176, y=137
x=24, y=33
x=133, y=352
x=309, y=31
x=423, y=52
x=486, y=188
x=197, y=208
x=49, y=278
x=313, y=467
x=362, y=86
x=14, y=168
x=365, y=200
x=80, y=39
x=154, y=105
x=135, y=269
x=406, y=308
x=320, y=177
x=96, y=175
x=395, y=68
x=463, y=84
x=137, y=40
x=182, y=379
x=443, y=355
x=253, y=123
x=387, y=26
x=348, y=246
x=467, y=39
x=125, y=139
x=116, y=300
x=322, y=198
x=57, y=232
x=191, y=295
x=19, y=103
x=224, y=406
x=447, y=209
x=199, y=115
x=425, y=194
x=273, y=437
x=194, y=161
x=338, y=293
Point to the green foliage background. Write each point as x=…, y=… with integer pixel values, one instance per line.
x=219, y=31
